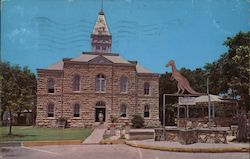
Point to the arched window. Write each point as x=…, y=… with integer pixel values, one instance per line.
x=51, y=85
x=50, y=110
x=76, y=83
x=77, y=110
x=123, y=111
x=146, y=110
x=100, y=83
x=123, y=84
x=146, y=88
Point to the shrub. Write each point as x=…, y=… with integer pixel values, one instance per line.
x=113, y=119
x=62, y=119
x=137, y=121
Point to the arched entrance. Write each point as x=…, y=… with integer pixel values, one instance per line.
x=100, y=108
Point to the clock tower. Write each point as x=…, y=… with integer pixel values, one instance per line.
x=101, y=38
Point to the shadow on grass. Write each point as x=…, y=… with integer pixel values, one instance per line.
x=17, y=135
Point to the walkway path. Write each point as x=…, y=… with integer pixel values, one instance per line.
x=96, y=136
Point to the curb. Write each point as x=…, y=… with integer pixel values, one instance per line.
x=11, y=144
x=190, y=150
x=57, y=142
x=111, y=142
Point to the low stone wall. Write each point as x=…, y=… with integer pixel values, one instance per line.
x=152, y=123
x=212, y=136
x=191, y=136
x=141, y=134
x=188, y=136
x=200, y=122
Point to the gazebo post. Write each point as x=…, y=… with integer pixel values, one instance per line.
x=209, y=104
x=213, y=110
x=178, y=115
x=209, y=111
x=164, y=117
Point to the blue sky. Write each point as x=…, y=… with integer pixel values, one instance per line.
x=38, y=33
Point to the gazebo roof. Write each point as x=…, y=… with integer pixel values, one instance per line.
x=204, y=99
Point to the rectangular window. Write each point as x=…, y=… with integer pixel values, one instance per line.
x=51, y=90
x=51, y=85
x=77, y=110
x=146, y=111
x=76, y=114
x=146, y=88
x=123, y=111
x=123, y=84
x=102, y=85
x=50, y=114
x=97, y=85
x=50, y=110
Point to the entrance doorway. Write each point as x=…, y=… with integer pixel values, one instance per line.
x=97, y=111
x=100, y=108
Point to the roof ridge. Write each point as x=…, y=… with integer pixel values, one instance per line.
x=103, y=53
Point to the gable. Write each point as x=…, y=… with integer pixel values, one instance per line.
x=100, y=60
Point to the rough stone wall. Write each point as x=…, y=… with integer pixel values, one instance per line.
x=128, y=98
x=44, y=98
x=87, y=97
x=152, y=100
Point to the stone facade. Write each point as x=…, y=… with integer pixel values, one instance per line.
x=88, y=67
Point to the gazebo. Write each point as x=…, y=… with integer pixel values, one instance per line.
x=193, y=112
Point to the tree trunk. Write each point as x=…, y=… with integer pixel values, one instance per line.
x=242, y=127
x=10, y=132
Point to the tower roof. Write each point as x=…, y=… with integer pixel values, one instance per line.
x=101, y=27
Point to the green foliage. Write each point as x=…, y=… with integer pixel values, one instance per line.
x=113, y=119
x=18, y=90
x=137, y=121
x=230, y=73
x=62, y=119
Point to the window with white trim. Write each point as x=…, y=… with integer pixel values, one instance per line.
x=146, y=110
x=100, y=83
x=123, y=84
x=51, y=86
x=76, y=83
x=146, y=88
x=50, y=110
x=123, y=111
x=77, y=110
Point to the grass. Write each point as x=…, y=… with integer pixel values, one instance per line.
x=29, y=133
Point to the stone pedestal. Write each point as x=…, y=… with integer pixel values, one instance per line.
x=127, y=127
x=188, y=137
x=112, y=130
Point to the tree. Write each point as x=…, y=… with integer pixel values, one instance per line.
x=230, y=76
x=230, y=73
x=18, y=90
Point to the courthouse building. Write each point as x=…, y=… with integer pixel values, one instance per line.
x=78, y=89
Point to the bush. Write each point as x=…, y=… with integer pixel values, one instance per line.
x=137, y=121
x=113, y=119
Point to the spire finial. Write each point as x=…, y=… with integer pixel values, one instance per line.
x=101, y=12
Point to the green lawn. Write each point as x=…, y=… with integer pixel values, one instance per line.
x=29, y=133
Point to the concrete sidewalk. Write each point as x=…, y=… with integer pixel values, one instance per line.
x=95, y=137
x=197, y=147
